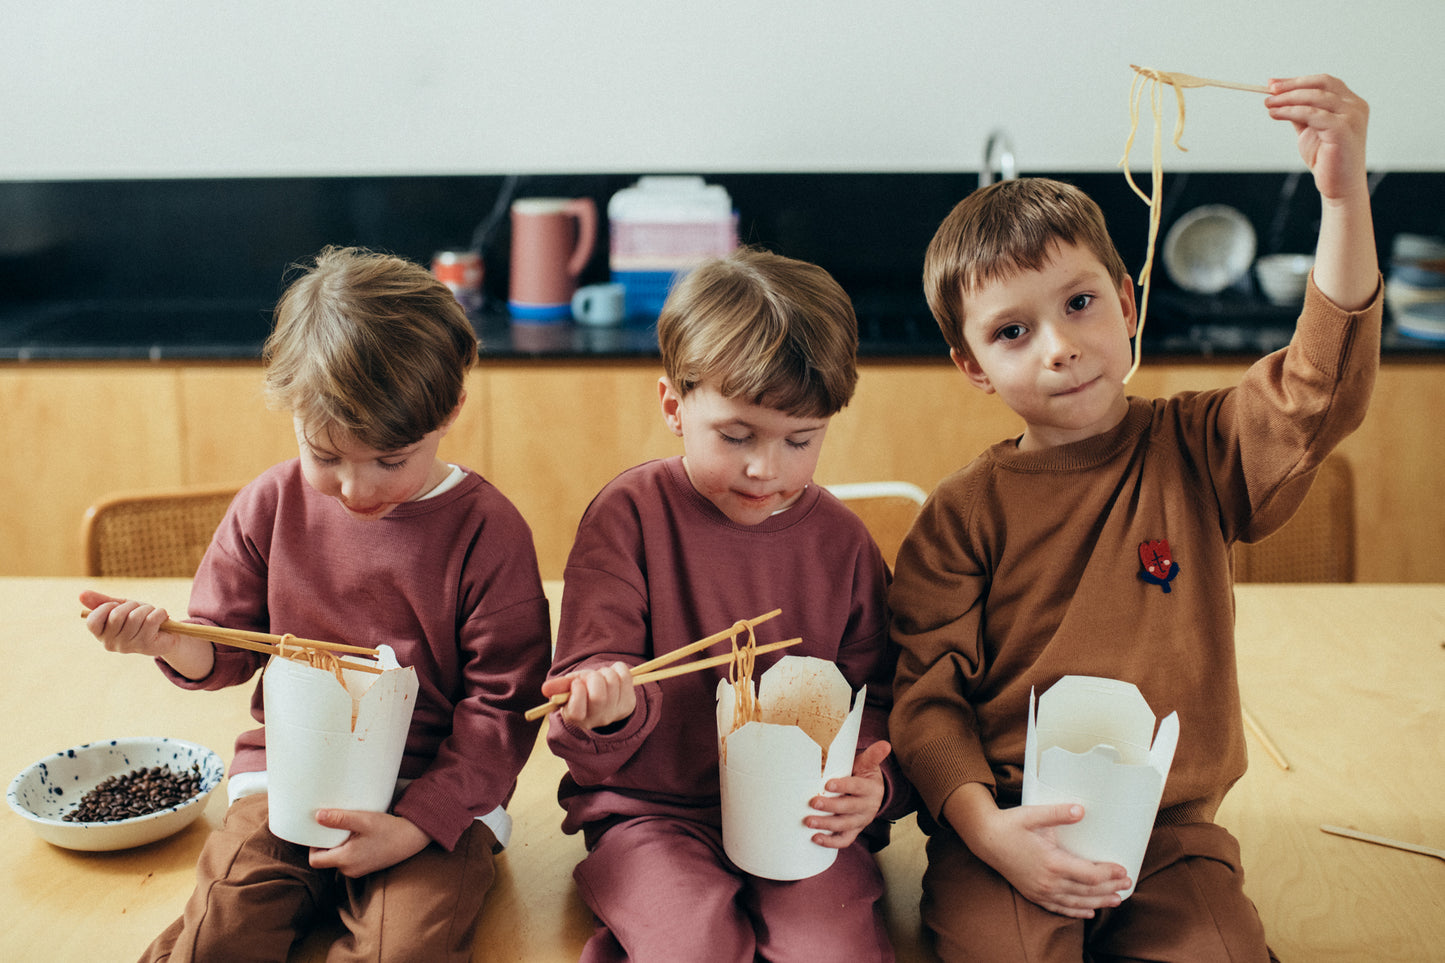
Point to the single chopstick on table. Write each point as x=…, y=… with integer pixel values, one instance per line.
x=1265, y=740
x=667, y=658
x=263, y=641
x=1385, y=841
x=1189, y=80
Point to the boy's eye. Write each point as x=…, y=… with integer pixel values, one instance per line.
x=1009, y=332
x=321, y=459
x=1080, y=301
x=392, y=465
x=731, y=440
x=800, y=445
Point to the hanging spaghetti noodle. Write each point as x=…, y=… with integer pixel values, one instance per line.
x=290, y=647
x=740, y=674
x=1146, y=81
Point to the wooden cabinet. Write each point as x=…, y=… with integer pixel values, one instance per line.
x=550, y=434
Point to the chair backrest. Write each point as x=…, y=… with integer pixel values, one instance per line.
x=155, y=533
x=1317, y=544
x=888, y=508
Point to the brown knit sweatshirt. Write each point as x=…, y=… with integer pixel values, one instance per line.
x=1025, y=566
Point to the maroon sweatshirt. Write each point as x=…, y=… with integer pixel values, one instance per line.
x=449, y=582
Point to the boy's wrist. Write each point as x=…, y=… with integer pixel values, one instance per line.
x=967, y=808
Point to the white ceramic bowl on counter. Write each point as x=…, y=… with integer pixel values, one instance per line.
x=1282, y=277
x=1209, y=249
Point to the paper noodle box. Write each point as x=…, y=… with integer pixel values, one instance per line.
x=1090, y=744
x=332, y=747
x=771, y=769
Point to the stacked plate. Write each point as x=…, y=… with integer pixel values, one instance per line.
x=1415, y=288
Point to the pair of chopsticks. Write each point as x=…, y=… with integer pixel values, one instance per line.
x=654, y=671
x=1189, y=80
x=265, y=642
x=1280, y=760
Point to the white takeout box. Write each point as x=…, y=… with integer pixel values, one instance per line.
x=1090, y=744
x=771, y=769
x=315, y=757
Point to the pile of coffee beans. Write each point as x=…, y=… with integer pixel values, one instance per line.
x=136, y=793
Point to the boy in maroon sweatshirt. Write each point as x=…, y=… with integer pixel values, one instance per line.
x=367, y=538
x=759, y=353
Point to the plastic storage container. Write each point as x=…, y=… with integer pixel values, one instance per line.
x=661, y=228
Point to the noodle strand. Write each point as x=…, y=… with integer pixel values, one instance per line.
x=1147, y=80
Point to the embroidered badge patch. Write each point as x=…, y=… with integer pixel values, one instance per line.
x=1159, y=566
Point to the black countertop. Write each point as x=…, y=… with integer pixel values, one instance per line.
x=189, y=269
x=890, y=327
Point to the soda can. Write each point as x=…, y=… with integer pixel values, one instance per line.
x=461, y=271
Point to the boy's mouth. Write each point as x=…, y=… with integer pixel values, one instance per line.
x=1075, y=389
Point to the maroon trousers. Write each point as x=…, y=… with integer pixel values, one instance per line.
x=663, y=890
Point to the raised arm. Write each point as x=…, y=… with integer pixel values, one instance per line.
x=1330, y=122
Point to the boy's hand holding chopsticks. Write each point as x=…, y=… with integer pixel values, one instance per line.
x=147, y=622
x=604, y=695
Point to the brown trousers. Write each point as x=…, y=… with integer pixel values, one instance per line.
x=255, y=894
x=1189, y=906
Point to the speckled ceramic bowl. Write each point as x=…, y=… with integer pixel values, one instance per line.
x=46, y=790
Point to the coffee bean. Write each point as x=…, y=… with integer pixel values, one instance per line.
x=136, y=793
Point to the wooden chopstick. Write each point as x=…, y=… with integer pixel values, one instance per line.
x=707, y=663
x=1177, y=79
x=1265, y=740
x=263, y=641
x=639, y=678
x=667, y=658
x=1385, y=841
x=260, y=642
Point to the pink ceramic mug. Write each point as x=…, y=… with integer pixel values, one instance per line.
x=552, y=238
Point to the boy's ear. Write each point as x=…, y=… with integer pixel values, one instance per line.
x=971, y=371
x=671, y=403
x=1128, y=306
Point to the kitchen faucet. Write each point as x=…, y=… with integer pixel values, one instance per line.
x=998, y=151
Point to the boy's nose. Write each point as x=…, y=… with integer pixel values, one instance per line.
x=352, y=484
x=1059, y=351
x=761, y=464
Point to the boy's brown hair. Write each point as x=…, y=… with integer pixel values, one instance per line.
x=773, y=330
x=1004, y=228
x=369, y=345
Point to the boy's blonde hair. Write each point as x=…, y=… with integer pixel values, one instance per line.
x=1004, y=228
x=369, y=345
x=763, y=327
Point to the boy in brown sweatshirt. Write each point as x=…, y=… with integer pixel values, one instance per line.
x=1041, y=558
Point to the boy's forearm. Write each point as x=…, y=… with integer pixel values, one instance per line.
x=1346, y=266
x=966, y=808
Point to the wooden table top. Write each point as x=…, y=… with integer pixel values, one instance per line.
x=1347, y=680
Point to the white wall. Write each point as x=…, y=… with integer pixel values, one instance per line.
x=141, y=88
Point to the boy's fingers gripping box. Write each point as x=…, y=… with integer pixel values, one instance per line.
x=804, y=734
x=1089, y=743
